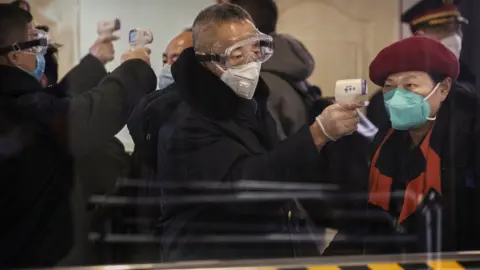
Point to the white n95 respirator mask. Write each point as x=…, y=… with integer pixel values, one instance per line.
x=243, y=81
x=453, y=43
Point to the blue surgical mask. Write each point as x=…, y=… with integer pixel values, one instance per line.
x=165, y=78
x=40, y=67
x=407, y=109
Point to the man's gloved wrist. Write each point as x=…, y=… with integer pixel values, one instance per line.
x=318, y=120
x=319, y=138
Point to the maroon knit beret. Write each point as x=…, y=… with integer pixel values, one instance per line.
x=416, y=53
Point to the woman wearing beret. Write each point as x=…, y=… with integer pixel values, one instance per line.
x=429, y=156
x=425, y=164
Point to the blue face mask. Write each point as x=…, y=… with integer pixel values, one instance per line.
x=165, y=78
x=407, y=109
x=40, y=67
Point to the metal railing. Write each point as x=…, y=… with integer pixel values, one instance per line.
x=469, y=258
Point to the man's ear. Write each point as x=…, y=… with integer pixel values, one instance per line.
x=12, y=58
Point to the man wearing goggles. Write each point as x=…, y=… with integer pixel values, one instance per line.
x=237, y=60
x=28, y=55
x=44, y=131
x=286, y=74
x=224, y=134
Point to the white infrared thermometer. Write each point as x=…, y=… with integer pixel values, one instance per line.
x=353, y=90
x=139, y=38
x=105, y=28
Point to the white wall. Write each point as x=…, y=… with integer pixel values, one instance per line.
x=166, y=19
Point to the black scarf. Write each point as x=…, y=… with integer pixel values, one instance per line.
x=397, y=167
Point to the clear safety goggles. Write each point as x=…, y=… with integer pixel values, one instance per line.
x=37, y=43
x=238, y=52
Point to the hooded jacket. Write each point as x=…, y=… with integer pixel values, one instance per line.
x=290, y=64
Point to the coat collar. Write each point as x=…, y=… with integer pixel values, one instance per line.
x=466, y=74
x=15, y=82
x=205, y=92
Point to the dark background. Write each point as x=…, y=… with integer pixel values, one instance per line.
x=470, y=9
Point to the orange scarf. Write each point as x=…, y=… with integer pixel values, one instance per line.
x=416, y=189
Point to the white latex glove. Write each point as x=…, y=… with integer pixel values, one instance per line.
x=338, y=120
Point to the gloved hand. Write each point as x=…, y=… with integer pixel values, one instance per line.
x=142, y=53
x=338, y=120
x=103, y=48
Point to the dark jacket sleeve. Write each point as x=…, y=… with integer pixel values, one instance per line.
x=83, y=122
x=199, y=150
x=84, y=76
x=476, y=136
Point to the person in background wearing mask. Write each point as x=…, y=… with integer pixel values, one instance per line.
x=442, y=21
x=226, y=135
x=96, y=172
x=43, y=134
x=79, y=79
x=51, y=64
x=143, y=165
x=173, y=50
x=429, y=154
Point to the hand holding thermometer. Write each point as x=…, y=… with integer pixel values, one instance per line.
x=103, y=48
x=106, y=28
x=138, y=38
x=355, y=91
x=338, y=120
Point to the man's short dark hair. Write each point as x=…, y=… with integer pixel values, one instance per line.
x=13, y=20
x=214, y=15
x=263, y=12
x=19, y=3
x=190, y=29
